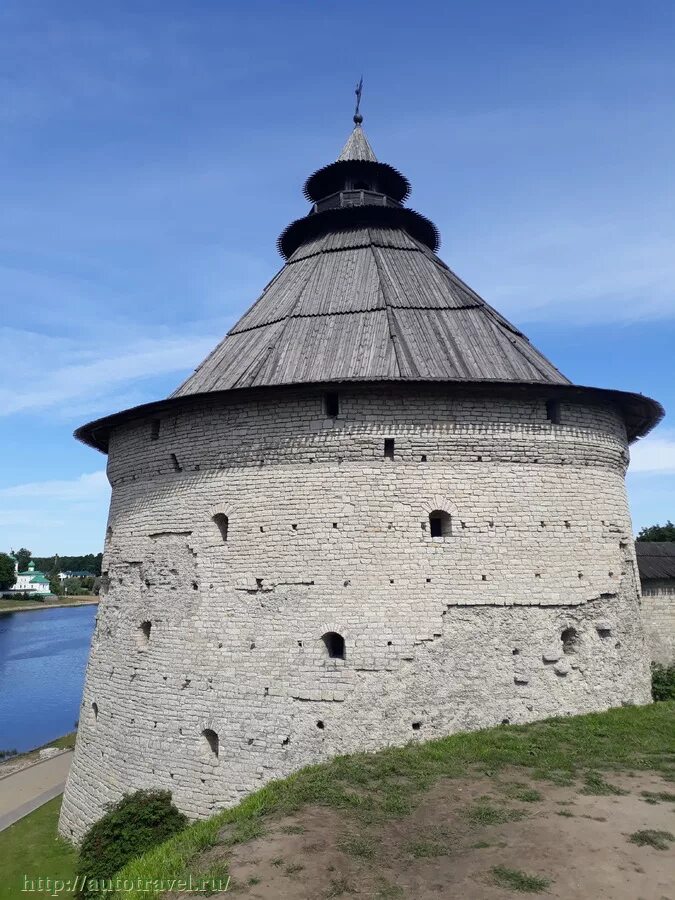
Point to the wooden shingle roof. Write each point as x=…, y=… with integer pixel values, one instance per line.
x=656, y=559
x=363, y=297
x=357, y=147
x=368, y=304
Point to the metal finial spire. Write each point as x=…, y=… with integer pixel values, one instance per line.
x=358, y=118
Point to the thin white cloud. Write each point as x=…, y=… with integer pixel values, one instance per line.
x=88, y=487
x=595, y=272
x=654, y=453
x=52, y=383
x=57, y=515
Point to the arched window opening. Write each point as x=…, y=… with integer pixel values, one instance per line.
x=211, y=742
x=389, y=446
x=221, y=522
x=154, y=429
x=440, y=524
x=334, y=644
x=144, y=630
x=94, y=709
x=331, y=401
x=570, y=640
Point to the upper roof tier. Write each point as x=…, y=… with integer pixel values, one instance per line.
x=368, y=303
x=357, y=163
x=364, y=297
x=357, y=147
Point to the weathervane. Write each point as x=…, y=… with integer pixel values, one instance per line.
x=358, y=118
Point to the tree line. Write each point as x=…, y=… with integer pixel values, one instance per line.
x=51, y=566
x=90, y=562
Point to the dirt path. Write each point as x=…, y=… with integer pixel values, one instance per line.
x=26, y=790
x=474, y=839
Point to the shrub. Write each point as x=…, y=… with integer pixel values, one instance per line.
x=135, y=824
x=663, y=682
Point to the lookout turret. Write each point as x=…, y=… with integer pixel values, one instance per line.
x=375, y=513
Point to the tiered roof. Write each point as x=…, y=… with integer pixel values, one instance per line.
x=363, y=297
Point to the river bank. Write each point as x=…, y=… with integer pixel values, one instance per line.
x=43, y=657
x=7, y=605
x=30, y=757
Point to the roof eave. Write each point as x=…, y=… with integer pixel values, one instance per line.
x=641, y=413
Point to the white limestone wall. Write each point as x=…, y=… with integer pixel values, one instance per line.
x=326, y=534
x=658, y=615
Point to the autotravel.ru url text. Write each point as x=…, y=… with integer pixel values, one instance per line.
x=55, y=887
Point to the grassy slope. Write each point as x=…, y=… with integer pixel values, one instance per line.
x=382, y=785
x=30, y=848
x=67, y=742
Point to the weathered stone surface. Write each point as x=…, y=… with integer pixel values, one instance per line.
x=658, y=611
x=48, y=752
x=325, y=534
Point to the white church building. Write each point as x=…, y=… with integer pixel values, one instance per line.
x=31, y=581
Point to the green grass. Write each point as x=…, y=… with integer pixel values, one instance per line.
x=386, y=891
x=427, y=849
x=596, y=785
x=293, y=829
x=293, y=869
x=338, y=887
x=515, y=880
x=522, y=792
x=65, y=742
x=657, y=796
x=376, y=787
x=484, y=813
x=659, y=840
x=7, y=604
x=358, y=845
x=30, y=848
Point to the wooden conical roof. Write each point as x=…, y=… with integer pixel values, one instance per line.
x=363, y=297
x=357, y=147
x=368, y=304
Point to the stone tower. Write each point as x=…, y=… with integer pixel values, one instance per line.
x=374, y=514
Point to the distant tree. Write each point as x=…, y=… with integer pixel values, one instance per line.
x=7, y=576
x=55, y=585
x=51, y=567
x=23, y=557
x=78, y=586
x=89, y=562
x=658, y=532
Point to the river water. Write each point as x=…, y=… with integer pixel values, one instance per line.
x=43, y=656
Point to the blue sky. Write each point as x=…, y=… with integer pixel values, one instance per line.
x=152, y=152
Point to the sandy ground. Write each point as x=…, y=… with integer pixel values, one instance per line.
x=438, y=851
